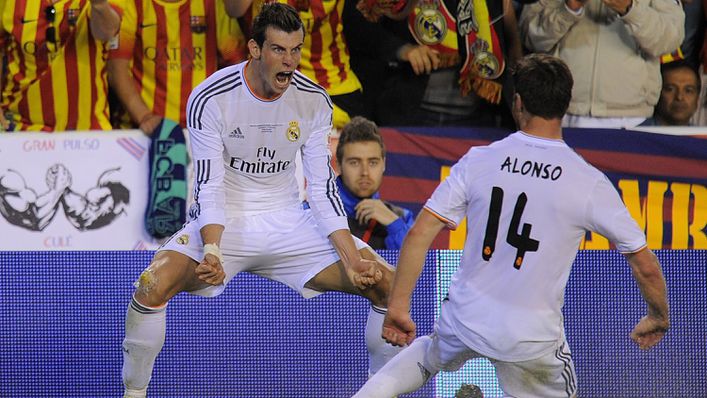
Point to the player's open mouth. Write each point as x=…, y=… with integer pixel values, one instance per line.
x=283, y=78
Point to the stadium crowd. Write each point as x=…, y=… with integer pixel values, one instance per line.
x=104, y=64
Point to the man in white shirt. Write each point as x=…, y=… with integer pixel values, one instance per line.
x=528, y=199
x=246, y=124
x=612, y=47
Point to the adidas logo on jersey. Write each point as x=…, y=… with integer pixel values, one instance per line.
x=237, y=133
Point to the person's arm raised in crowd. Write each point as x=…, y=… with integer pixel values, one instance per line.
x=544, y=23
x=657, y=26
x=649, y=276
x=236, y=8
x=105, y=21
x=121, y=80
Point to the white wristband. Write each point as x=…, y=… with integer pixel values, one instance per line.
x=213, y=249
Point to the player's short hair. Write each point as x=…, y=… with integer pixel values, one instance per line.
x=278, y=16
x=359, y=129
x=544, y=84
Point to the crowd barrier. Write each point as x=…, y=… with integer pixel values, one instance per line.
x=110, y=170
x=662, y=179
x=62, y=323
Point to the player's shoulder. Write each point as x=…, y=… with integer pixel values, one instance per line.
x=306, y=87
x=221, y=81
x=488, y=150
x=221, y=84
x=582, y=165
x=583, y=174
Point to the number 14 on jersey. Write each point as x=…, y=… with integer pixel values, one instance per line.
x=521, y=241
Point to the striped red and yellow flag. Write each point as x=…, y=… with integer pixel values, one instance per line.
x=174, y=47
x=53, y=86
x=673, y=56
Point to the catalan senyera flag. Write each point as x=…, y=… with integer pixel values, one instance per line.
x=56, y=77
x=673, y=56
x=173, y=47
x=661, y=178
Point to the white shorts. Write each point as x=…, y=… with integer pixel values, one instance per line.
x=285, y=246
x=549, y=376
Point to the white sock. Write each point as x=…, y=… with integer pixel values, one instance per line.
x=145, y=329
x=403, y=374
x=130, y=393
x=379, y=351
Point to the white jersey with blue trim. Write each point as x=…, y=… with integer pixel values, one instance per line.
x=244, y=149
x=529, y=202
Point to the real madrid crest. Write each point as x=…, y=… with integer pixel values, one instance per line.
x=183, y=239
x=430, y=25
x=485, y=63
x=293, y=131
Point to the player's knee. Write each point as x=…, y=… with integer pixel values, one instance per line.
x=149, y=291
x=146, y=282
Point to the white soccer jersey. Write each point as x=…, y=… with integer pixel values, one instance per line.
x=529, y=202
x=244, y=149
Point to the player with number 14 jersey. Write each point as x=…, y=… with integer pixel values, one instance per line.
x=540, y=197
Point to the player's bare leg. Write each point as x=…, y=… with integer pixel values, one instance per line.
x=334, y=278
x=145, y=323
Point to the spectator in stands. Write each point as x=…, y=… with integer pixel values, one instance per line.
x=613, y=49
x=167, y=48
x=679, y=96
x=53, y=67
x=700, y=117
x=360, y=155
x=325, y=55
x=434, y=81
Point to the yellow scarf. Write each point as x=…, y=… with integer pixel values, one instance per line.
x=469, y=37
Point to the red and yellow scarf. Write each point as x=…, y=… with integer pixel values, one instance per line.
x=469, y=39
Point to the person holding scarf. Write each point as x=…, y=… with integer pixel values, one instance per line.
x=458, y=52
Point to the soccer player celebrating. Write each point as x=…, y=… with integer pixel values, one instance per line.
x=246, y=123
x=529, y=199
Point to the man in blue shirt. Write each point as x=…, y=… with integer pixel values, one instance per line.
x=360, y=154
